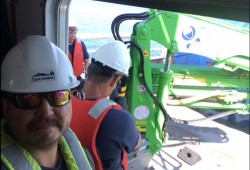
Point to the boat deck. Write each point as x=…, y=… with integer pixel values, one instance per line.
x=205, y=145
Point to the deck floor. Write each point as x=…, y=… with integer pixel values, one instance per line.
x=219, y=146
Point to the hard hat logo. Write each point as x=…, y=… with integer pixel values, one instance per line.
x=115, y=55
x=43, y=76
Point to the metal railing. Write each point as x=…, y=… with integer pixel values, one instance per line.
x=93, y=41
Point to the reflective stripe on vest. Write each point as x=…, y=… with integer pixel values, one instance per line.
x=74, y=157
x=75, y=147
x=19, y=161
x=99, y=107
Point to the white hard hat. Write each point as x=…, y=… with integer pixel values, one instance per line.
x=72, y=22
x=115, y=55
x=36, y=65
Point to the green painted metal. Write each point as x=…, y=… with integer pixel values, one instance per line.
x=223, y=86
x=139, y=101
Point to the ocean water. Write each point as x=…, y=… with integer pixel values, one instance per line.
x=95, y=18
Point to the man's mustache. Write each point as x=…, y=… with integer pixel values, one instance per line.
x=46, y=121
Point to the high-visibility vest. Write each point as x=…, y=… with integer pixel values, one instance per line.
x=77, y=59
x=86, y=119
x=16, y=157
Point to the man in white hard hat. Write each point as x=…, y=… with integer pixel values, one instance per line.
x=111, y=132
x=36, y=82
x=78, y=53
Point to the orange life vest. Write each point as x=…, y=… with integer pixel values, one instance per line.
x=78, y=59
x=86, y=119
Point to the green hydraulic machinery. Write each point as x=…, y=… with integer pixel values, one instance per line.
x=151, y=87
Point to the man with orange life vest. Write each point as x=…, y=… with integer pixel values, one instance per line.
x=78, y=53
x=102, y=126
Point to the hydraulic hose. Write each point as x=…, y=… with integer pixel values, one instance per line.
x=121, y=18
x=143, y=81
x=209, y=118
x=115, y=31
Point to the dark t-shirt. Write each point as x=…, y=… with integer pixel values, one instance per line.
x=62, y=166
x=116, y=133
x=119, y=99
x=84, y=48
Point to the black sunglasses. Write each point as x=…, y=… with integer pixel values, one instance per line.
x=34, y=100
x=73, y=30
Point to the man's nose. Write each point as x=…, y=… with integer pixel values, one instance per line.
x=46, y=108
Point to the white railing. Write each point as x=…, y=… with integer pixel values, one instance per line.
x=157, y=53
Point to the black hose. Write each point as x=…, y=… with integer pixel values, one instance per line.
x=143, y=81
x=121, y=18
x=213, y=117
x=115, y=31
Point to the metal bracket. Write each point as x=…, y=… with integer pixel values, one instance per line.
x=189, y=156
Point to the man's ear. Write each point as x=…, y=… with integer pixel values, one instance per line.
x=114, y=81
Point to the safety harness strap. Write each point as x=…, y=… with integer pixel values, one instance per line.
x=99, y=107
x=81, y=159
x=19, y=160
